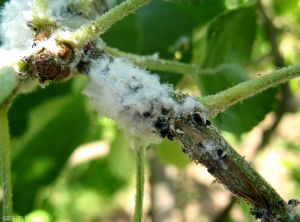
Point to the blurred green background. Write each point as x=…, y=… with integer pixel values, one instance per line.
x=69, y=164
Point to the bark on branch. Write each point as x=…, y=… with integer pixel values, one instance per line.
x=203, y=144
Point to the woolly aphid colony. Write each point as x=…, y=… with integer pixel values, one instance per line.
x=134, y=98
x=129, y=95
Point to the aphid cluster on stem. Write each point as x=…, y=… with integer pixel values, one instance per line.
x=136, y=100
x=166, y=128
x=163, y=128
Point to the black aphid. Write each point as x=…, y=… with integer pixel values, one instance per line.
x=211, y=170
x=258, y=213
x=221, y=153
x=199, y=120
x=163, y=133
x=184, y=149
x=293, y=202
x=162, y=126
x=164, y=111
x=146, y=114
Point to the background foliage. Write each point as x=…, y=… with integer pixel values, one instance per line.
x=227, y=40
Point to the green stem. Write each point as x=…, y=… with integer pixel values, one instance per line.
x=40, y=8
x=5, y=164
x=151, y=62
x=40, y=17
x=140, y=171
x=223, y=100
x=89, y=32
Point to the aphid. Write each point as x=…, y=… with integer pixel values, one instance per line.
x=221, y=153
x=160, y=123
x=200, y=145
x=197, y=118
x=293, y=202
x=211, y=170
x=258, y=213
x=184, y=149
x=170, y=136
x=162, y=127
x=164, y=111
x=163, y=133
x=146, y=114
x=200, y=120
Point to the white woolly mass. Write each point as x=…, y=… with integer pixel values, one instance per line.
x=57, y=7
x=212, y=147
x=15, y=33
x=14, y=29
x=132, y=96
x=15, y=16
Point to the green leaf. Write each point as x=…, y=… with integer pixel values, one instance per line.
x=24, y=104
x=166, y=28
x=163, y=28
x=97, y=175
x=228, y=43
x=128, y=30
x=229, y=39
x=170, y=153
x=8, y=82
x=56, y=127
x=121, y=157
x=286, y=6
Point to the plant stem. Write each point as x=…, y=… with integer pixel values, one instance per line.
x=140, y=171
x=204, y=145
x=223, y=100
x=90, y=32
x=5, y=163
x=40, y=8
x=40, y=18
x=151, y=62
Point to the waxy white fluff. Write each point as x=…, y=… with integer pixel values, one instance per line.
x=125, y=93
x=16, y=35
x=14, y=29
x=15, y=18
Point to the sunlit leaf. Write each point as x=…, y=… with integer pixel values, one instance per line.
x=56, y=127
x=228, y=43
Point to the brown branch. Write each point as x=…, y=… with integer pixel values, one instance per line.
x=271, y=32
x=203, y=144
